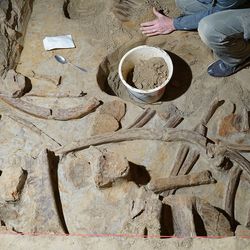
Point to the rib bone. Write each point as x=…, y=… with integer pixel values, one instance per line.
x=189, y=161
x=137, y=134
x=231, y=189
x=144, y=118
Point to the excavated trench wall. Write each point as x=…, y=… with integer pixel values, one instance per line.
x=14, y=17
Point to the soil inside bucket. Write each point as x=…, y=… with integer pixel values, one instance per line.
x=148, y=74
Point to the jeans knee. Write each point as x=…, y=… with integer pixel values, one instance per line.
x=182, y=5
x=178, y=4
x=206, y=30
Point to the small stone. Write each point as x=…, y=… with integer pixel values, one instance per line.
x=115, y=108
x=104, y=123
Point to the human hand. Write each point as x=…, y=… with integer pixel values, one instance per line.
x=162, y=25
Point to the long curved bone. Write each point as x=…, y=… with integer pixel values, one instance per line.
x=54, y=114
x=167, y=135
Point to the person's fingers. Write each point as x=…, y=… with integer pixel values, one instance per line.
x=148, y=23
x=149, y=29
x=156, y=33
x=156, y=13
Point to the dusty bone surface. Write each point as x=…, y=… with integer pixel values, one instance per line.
x=84, y=207
x=107, y=167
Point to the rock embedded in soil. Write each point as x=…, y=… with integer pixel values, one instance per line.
x=149, y=74
x=104, y=123
x=116, y=108
x=13, y=85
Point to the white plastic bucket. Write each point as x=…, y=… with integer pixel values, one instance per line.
x=133, y=57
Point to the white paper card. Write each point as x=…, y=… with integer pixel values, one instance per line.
x=58, y=42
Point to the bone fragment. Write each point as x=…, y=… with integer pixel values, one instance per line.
x=238, y=147
x=245, y=121
x=243, y=163
x=55, y=114
x=211, y=110
x=180, y=158
x=232, y=146
x=231, y=189
x=192, y=157
x=107, y=167
x=173, y=121
x=143, y=119
x=201, y=129
x=180, y=181
x=27, y=107
x=52, y=79
x=75, y=112
x=189, y=162
x=183, y=220
x=59, y=95
x=41, y=188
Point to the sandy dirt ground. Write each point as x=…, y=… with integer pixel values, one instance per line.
x=103, y=31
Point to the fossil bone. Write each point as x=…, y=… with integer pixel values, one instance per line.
x=174, y=182
x=183, y=210
x=108, y=167
x=245, y=121
x=168, y=135
x=243, y=163
x=200, y=128
x=143, y=119
x=52, y=79
x=55, y=114
x=231, y=189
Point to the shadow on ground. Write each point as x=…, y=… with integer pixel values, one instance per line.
x=181, y=79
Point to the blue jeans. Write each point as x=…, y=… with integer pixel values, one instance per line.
x=194, y=10
x=222, y=28
x=227, y=33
